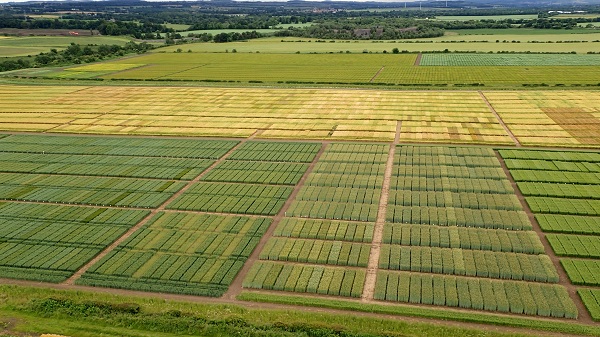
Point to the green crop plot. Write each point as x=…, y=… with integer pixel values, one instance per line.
x=455, y=261
x=276, y=152
x=509, y=60
x=575, y=245
x=180, y=253
x=306, y=279
x=50, y=242
x=444, y=186
x=473, y=293
x=496, y=240
x=257, y=172
x=317, y=252
x=352, y=195
x=591, y=299
x=569, y=224
x=233, y=198
x=98, y=191
x=582, y=272
x=325, y=230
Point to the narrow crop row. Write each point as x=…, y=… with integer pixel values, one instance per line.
x=467, y=262
x=462, y=217
x=452, y=185
x=257, y=172
x=472, y=293
x=574, y=191
x=481, y=201
x=564, y=206
x=583, y=272
x=497, y=240
x=591, y=299
x=306, y=279
x=441, y=171
x=575, y=245
x=139, y=146
x=569, y=224
x=276, y=152
x=233, y=198
x=316, y=252
x=325, y=230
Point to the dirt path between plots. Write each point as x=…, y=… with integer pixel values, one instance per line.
x=376, y=74
x=294, y=308
x=236, y=286
x=506, y=129
x=418, y=59
x=373, y=265
x=71, y=280
x=584, y=315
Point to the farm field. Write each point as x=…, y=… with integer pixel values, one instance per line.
x=451, y=231
x=561, y=190
x=540, y=118
x=33, y=45
x=343, y=68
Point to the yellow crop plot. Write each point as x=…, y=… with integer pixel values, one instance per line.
x=536, y=118
x=556, y=118
x=107, y=67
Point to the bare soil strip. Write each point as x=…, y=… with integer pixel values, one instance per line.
x=584, y=315
x=273, y=306
x=376, y=74
x=371, y=277
x=71, y=280
x=510, y=134
x=236, y=286
x=418, y=59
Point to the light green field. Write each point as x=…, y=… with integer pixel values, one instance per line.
x=177, y=27
x=32, y=45
x=484, y=17
x=577, y=15
x=478, y=43
x=219, y=31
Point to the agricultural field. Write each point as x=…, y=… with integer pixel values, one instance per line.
x=559, y=118
x=561, y=189
x=33, y=45
x=349, y=69
x=457, y=117
x=198, y=254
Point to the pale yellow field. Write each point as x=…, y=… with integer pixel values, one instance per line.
x=335, y=114
x=554, y=118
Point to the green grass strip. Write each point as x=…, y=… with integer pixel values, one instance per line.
x=571, y=328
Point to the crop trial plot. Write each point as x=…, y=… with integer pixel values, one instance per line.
x=330, y=193
x=452, y=211
x=557, y=118
x=50, y=242
x=456, y=59
x=184, y=253
x=561, y=188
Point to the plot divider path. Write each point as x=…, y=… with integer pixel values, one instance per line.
x=506, y=129
x=71, y=280
x=371, y=276
x=236, y=286
x=376, y=74
x=584, y=315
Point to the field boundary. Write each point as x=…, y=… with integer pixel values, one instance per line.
x=418, y=59
x=584, y=315
x=236, y=286
x=71, y=280
x=508, y=131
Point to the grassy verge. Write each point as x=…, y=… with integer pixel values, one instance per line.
x=554, y=326
x=28, y=311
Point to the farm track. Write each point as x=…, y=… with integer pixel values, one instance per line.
x=584, y=315
x=294, y=308
x=71, y=280
x=418, y=59
x=376, y=74
x=510, y=134
x=373, y=267
x=236, y=286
